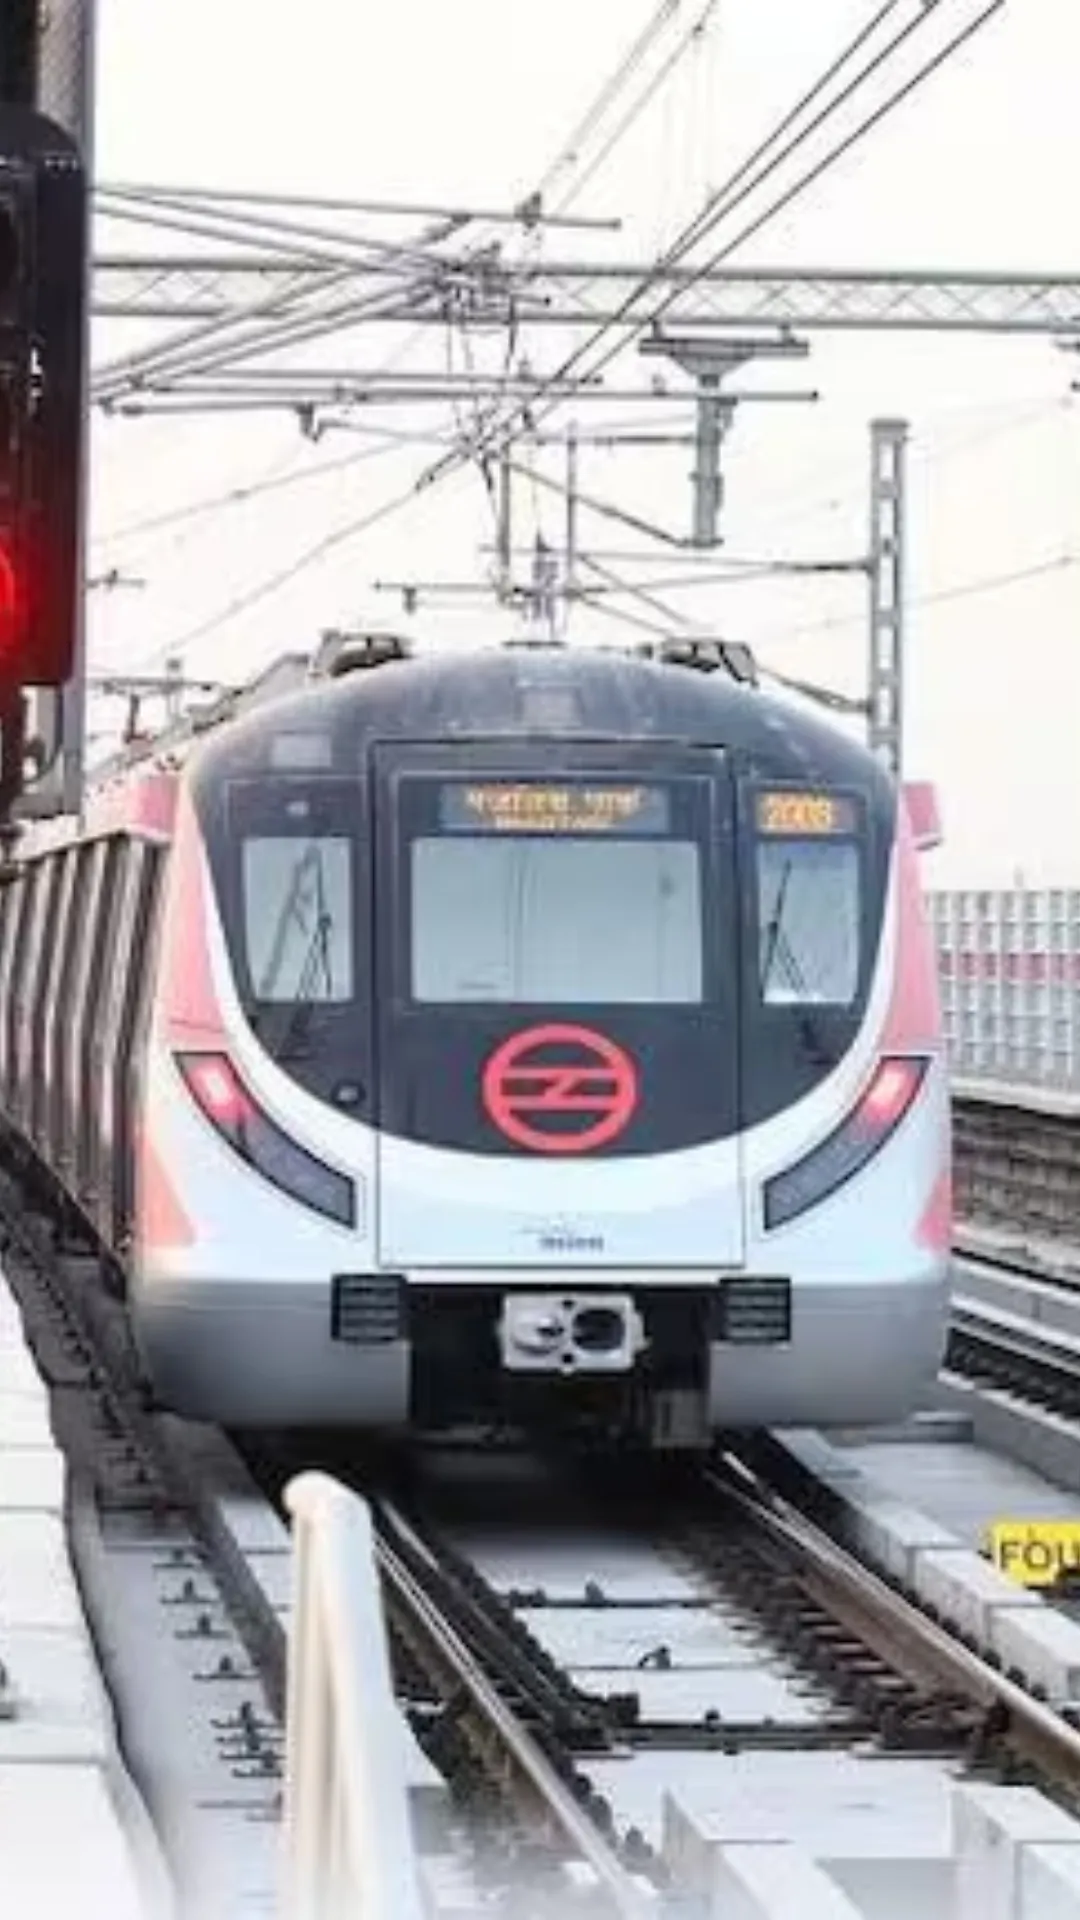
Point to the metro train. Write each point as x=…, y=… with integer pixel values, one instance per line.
x=445, y=1044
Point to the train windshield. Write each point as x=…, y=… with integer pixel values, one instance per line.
x=560, y=944
x=556, y=921
x=576, y=894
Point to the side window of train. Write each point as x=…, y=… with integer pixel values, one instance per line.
x=82, y=858
x=40, y=947
x=100, y=986
x=809, y=896
x=291, y=876
x=132, y=1031
x=108, y=930
x=86, y=979
x=14, y=906
x=49, y=873
x=21, y=968
x=48, y=1040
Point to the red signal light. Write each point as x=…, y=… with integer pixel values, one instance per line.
x=9, y=607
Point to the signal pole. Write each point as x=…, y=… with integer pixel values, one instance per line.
x=43, y=278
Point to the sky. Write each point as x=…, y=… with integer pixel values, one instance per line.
x=468, y=104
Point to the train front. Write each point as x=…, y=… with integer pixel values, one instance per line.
x=541, y=1076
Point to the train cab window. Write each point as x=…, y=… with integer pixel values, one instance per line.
x=809, y=897
x=556, y=920
x=809, y=918
x=298, y=917
x=289, y=861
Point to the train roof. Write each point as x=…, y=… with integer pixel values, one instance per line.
x=532, y=691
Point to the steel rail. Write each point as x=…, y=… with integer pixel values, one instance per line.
x=1051, y=1349
x=886, y=1618
x=497, y=1735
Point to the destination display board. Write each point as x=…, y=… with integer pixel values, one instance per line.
x=543, y=807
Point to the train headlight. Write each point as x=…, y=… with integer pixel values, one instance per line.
x=233, y=1112
x=897, y=1079
x=538, y=1329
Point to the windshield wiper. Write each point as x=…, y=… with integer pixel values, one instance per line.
x=774, y=929
x=292, y=1038
x=778, y=946
x=292, y=1041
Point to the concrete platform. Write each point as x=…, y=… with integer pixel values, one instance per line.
x=872, y=1481
x=1061, y=1103
x=863, y=1839
x=74, y=1836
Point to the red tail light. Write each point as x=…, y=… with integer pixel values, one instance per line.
x=221, y=1096
x=212, y=1079
x=890, y=1093
x=896, y=1081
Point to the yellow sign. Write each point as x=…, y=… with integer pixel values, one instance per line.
x=1036, y=1553
x=800, y=814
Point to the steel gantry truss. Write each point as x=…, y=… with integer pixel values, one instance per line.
x=488, y=291
x=259, y=278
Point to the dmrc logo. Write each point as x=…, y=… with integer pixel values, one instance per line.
x=559, y=1089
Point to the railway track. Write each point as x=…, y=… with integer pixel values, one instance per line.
x=573, y=1654
x=641, y=1628
x=1017, y=1327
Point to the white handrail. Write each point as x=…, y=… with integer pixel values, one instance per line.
x=349, y=1848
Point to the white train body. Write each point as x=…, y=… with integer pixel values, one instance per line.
x=532, y=1036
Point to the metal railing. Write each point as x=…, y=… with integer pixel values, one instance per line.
x=1009, y=965
x=349, y=1848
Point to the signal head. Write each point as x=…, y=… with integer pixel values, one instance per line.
x=10, y=254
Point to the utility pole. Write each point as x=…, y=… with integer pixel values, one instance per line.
x=571, y=556
x=504, y=541
x=888, y=473
x=710, y=362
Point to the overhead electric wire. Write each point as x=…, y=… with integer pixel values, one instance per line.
x=416, y=209
x=629, y=619
x=963, y=590
x=637, y=107
x=608, y=94
x=705, y=222
x=676, y=249
x=243, y=602
x=318, y=246
x=844, y=146
x=712, y=207
x=678, y=621
x=824, y=696
x=792, y=507
x=571, y=153
x=392, y=439
x=610, y=90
